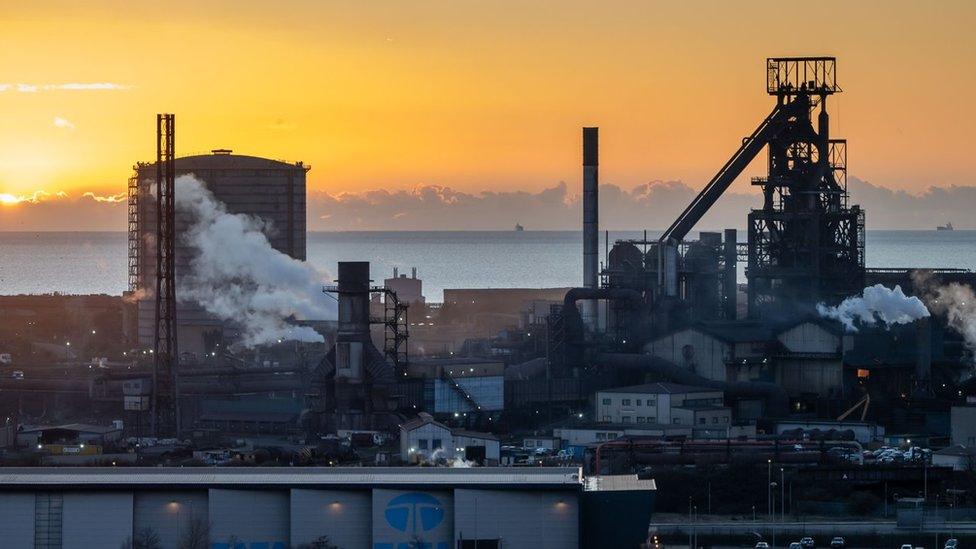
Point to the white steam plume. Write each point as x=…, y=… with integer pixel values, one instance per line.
x=236, y=275
x=876, y=303
x=956, y=301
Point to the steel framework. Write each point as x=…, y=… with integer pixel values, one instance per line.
x=806, y=245
x=165, y=407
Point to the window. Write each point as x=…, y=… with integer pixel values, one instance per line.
x=650, y=419
x=676, y=421
x=606, y=419
x=637, y=402
x=422, y=444
x=626, y=419
x=725, y=419
x=625, y=402
x=606, y=402
x=715, y=419
x=701, y=420
x=651, y=402
x=611, y=436
x=437, y=444
x=640, y=419
x=601, y=436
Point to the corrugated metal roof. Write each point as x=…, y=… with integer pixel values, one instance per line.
x=618, y=483
x=291, y=476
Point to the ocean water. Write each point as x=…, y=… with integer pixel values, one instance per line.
x=83, y=263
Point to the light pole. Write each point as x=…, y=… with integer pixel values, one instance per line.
x=769, y=490
x=782, y=495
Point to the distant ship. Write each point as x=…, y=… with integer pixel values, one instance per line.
x=519, y=228
x=946, y=227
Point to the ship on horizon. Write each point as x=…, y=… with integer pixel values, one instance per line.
x=946, y=227
x=519, y=228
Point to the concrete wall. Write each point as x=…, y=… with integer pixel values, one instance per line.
x=96, y=519
x=249, y=517
x=516, y=518
x=17, y=519
x=400, y=517
x=344, y=516
x=169, y=513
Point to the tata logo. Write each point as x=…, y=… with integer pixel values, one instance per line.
x=414, y=513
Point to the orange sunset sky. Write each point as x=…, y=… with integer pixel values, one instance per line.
x=474, y=95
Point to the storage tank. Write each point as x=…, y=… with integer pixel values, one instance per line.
x=272, y=190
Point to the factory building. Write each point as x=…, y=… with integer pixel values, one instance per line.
x=666, y=403
x=270, y=190
x=459, y=385
x=424, y=439
x=376, y=508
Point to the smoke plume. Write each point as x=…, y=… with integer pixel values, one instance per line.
x=956, y=301
x=237, y=276
x=876, y=303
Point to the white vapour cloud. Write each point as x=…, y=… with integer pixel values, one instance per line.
x=236, y=275
x=876, y=303
x=60, y=122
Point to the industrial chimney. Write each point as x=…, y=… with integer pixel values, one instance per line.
x=591, y=227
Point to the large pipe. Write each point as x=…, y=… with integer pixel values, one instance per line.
x=591, y=225
x=777, y=401
x=730, y=252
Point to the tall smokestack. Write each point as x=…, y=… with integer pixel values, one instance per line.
x=591, y=226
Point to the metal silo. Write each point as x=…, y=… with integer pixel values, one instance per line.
x=272, y=190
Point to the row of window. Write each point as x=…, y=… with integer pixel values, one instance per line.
x=627, y=402
x=606, y=436
x=425, y=444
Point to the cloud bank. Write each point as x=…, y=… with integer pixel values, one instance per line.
x=70, y=86
x=651, y=206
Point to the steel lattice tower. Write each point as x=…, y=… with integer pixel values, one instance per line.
x=806, y=245
x=165, y=409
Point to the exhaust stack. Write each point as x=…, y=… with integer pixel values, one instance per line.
x=591, y=226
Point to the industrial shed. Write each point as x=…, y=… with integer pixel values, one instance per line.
x=357, y=508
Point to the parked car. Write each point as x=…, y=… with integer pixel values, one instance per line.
x=796, y=545
x=837, y=543
x=952, y=543
x=907, y=546
x=807, y=542
x=762, y=545
x=17, y=374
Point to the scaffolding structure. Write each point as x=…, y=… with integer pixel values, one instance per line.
x=165, y=398
x=135, y=240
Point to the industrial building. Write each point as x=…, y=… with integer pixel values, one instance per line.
x=424, y=439
x=667, y=403
x=270, y=190
x=375, y=508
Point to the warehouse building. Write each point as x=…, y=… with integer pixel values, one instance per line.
x=378, y=508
